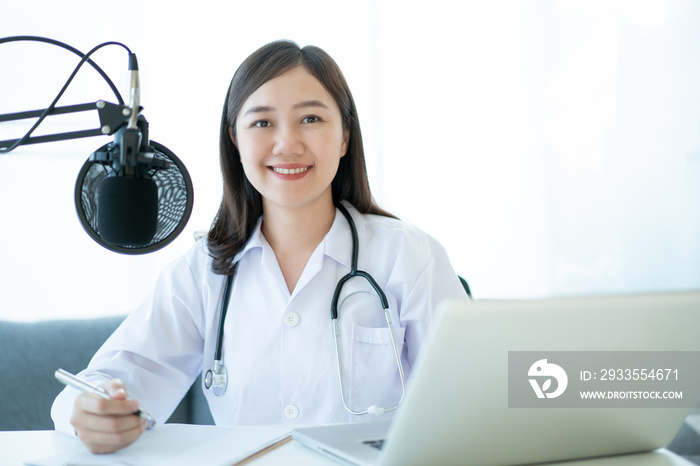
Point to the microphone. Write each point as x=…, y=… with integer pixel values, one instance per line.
x=138, y=207
x=128, y=200
x=133, y=196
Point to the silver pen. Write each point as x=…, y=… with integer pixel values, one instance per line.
x=69, y=379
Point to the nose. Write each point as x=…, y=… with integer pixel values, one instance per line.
x=288, y=141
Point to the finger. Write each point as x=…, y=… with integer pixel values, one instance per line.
x=102, y=406
x=109, y=441
x=107, y=423
x=86, y=422
x=115, y=388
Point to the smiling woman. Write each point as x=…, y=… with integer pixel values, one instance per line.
x=297, y=223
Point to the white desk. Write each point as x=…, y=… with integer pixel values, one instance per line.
x=15, y=447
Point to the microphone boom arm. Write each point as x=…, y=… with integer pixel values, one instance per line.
x=112, y=117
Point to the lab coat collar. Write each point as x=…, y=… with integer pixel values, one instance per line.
x=268, y=259
x=338, y=241
x=256, y=240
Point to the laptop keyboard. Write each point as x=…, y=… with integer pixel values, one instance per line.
x=378, y=444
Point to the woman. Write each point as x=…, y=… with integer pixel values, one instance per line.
x=293, y=167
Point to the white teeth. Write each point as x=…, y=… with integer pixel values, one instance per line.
x=290, y=171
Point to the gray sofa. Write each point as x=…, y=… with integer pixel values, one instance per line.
x=32, y=351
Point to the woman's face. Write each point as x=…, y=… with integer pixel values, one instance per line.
x=290, y=137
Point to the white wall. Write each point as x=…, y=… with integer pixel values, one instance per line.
x=552, y=146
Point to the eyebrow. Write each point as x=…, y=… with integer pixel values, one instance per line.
x=310, y=103
x=304, y=104
x=258, y=109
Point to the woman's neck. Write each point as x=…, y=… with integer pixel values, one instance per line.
x=294, y=234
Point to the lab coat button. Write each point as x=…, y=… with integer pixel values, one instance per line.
x=291, y=319
x=291, y=412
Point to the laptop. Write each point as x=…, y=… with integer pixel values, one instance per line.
x=462, y=405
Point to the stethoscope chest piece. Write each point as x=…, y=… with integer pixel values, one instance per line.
x=216, y=380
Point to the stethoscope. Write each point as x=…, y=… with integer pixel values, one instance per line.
x=217, y=379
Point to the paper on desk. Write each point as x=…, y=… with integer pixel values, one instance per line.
x=176, y=444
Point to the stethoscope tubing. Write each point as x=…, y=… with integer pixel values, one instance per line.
x=222, y=315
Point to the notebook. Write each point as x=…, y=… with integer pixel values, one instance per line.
x=463, y=406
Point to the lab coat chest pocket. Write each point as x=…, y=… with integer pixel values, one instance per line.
x=371, y=370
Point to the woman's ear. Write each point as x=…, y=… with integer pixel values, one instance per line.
x=232, y=136
x=346, y=141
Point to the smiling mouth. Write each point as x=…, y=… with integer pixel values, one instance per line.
x=289, y=171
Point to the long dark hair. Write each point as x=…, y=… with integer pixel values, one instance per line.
x=241, y=205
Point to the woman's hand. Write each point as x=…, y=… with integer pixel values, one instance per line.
x=104, y=425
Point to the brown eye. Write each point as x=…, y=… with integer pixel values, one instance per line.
x=311, y=119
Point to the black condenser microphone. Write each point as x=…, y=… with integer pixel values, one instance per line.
x=133, y=195
x=127, y=209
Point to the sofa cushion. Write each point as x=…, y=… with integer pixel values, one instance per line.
x=31, y=353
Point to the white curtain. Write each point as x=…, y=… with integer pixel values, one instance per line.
x=553, y=147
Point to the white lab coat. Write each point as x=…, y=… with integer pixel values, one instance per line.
x=278, y=347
